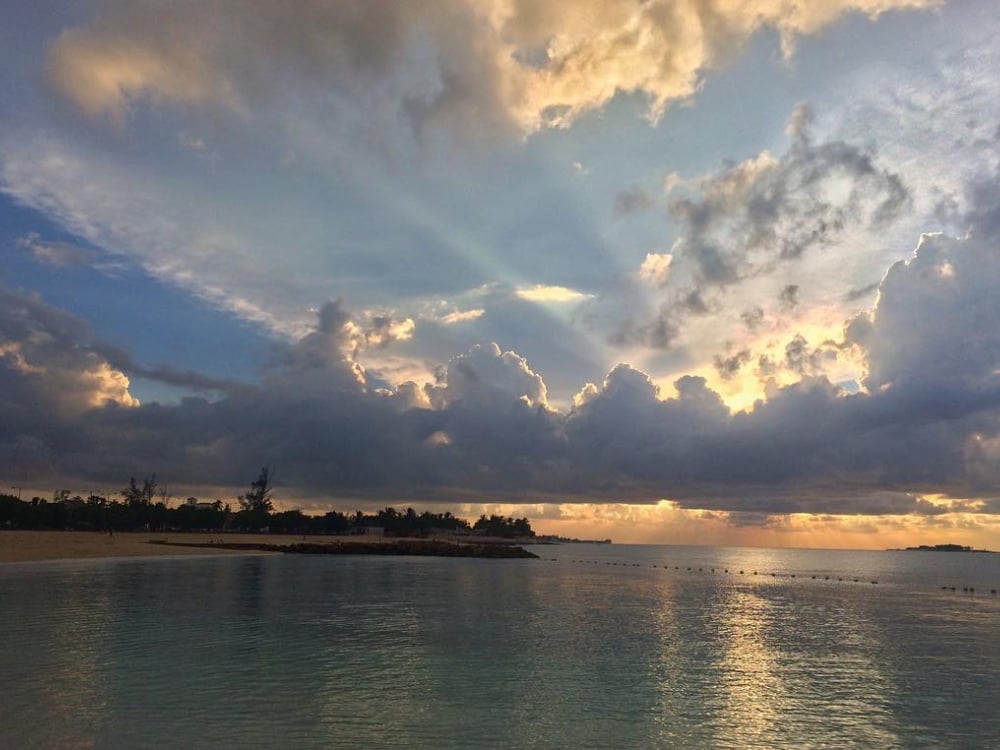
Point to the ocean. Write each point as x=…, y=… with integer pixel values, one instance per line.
x=592, y=646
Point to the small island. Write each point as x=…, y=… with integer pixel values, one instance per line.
x=939, y=548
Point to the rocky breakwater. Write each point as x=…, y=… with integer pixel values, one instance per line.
x=421, y=547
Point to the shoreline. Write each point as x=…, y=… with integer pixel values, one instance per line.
x=37, y=546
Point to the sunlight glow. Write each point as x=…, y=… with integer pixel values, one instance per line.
x=542, y=294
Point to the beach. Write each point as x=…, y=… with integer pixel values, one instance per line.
x=28, y=546
x=31, y=546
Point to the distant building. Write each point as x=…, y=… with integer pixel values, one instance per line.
x=193, y=502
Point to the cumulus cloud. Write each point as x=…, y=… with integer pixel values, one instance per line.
x=327, y=357
x=47, y=362
x=470, y=61
x=937, y=319
x=486, y=374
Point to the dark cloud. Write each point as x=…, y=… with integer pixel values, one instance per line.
x=764, y=211
x=192, y=380
x=928, y=423
x=632, y=201
x=752, y=318
x=803, y=359
x=729, y=366
x=789, y=296
x=656, y=333
x=853, y=295
x=694, y=303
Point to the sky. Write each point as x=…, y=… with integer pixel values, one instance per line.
x=672, y=271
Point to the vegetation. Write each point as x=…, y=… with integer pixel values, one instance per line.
x=141, y=509
x=503, y=527
x=256, y=505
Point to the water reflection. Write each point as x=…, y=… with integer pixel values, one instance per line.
x=755, y=694
x=61, y=653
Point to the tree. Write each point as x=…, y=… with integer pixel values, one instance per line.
x=140, y=496
x=258, y=499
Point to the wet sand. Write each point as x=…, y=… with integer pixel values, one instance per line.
x=27, y=546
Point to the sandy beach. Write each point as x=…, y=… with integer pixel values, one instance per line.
x=27, y=546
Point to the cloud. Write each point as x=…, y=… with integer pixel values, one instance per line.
x=752, y=318
x=49, y=366
x=765, y=211
x=656, y=333
x=326, y=359
x=740, y=224
x=927, y=426
x=487, y=375
x=789, y=295
x=64, y=254
x=655, y=269
x=853, y=295
x=729, y=366
x=464, y=61
x=936, y=319
x=543, y=293
x=632, y=201
x=461, y=316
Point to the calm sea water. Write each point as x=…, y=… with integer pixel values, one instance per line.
x=590, y=647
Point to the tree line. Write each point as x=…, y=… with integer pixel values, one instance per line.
x=145, y=507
